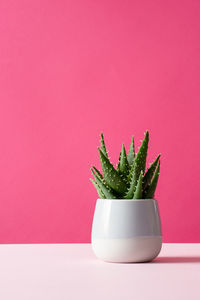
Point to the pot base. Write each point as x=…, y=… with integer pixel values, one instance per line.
x=137, y=249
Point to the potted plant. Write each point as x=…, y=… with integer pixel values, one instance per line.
x=126, y=224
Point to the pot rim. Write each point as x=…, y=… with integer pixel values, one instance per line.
x=128, y=200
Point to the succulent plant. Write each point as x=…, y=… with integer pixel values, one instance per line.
x=129, y=180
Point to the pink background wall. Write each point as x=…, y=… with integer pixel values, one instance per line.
x=70, y=69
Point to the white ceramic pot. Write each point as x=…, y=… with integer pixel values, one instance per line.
x=126, y=230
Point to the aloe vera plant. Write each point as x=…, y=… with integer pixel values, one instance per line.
x=130, y=179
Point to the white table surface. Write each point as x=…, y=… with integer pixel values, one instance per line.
x=71, y=271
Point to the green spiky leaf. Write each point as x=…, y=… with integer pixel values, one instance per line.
x=111, y=176
x=109, y=194
x=103, y=147
x=133, y=179
x=99, y=191
x=138, y=165
x=131, y=153
x=97, y=172
x=149, y=174
x=142, y=153
x=118, y=162
x=149, y=194
x=138, y=190
x=123, y=163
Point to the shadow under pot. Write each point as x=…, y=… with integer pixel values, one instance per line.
x=126, y=230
